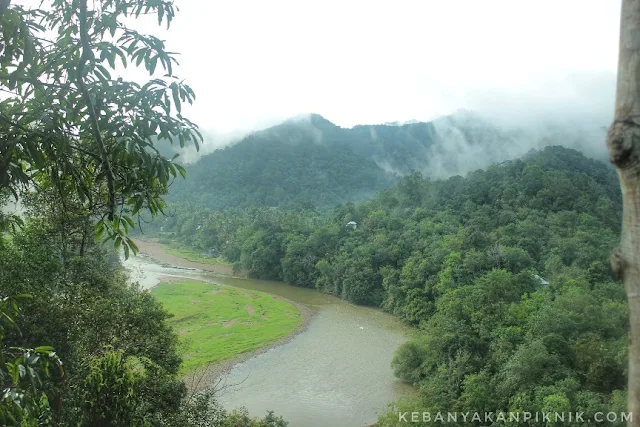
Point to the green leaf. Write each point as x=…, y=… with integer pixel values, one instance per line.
x=129, y=220
x=112, y=25
x=137, y=206
x=152, y=64
x=111, y=58
x=176, y=96
x=122, y=56
x=132, y=245
x=139, y=56
x=160, y=15
x=103, y=71
x=182, y=170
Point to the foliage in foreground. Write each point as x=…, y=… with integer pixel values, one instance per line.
x=202, y=410
x=78, y=147
x=23, y=371
x=79, y=306
x=65, y=119
x=120, y=355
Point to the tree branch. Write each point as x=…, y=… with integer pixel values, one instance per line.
x=87, y=54
x=48, y=138
x=32, y=81
x=88, y=153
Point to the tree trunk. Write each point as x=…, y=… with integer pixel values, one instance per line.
x=624, y=152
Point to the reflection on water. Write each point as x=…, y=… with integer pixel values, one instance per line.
x=336, y=373
x=148, y=273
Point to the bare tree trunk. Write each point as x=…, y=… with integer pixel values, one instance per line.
x=624, y=152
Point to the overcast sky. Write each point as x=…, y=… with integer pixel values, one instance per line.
x=252, y=63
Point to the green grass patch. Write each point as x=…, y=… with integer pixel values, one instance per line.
x=217, y=322
x=191, y=255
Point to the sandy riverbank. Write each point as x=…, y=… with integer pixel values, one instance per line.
x=157, y=252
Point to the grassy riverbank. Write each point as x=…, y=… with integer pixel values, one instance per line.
x=217, y=322
x=191, y=255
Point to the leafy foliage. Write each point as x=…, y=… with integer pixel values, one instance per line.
x=67, y=120
x=22, y=372
x=80, y=305
x=111, y=398
x=203, y=410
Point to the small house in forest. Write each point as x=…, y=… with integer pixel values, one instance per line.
x=541, y=280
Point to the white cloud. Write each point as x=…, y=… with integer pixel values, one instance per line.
x=255, y=62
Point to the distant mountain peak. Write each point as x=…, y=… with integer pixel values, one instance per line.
x=319, y=121
x=307, y=117
x=318, y=117
x=308, y=159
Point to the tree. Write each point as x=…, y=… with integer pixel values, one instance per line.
x=111, y=396
x=623, y=142
x=79, y=307
x=66, y=121
x=22, y=372
x=82, y=141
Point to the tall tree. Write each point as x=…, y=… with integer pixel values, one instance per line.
x=65, y=122
x=84, y=141
x=624, y=152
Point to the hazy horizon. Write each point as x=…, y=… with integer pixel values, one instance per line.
x=254, y=64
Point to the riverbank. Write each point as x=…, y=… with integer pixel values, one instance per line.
x=214, y=375
x=209, y=375
x=164, y=255
x=217, y=322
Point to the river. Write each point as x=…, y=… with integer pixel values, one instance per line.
x=335, y=373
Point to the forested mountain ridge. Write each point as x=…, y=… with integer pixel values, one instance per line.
x=548, y=182
x=287, y=165
x=310, y=161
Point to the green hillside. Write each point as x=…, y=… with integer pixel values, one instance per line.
x=291, y=165
x=310, y=162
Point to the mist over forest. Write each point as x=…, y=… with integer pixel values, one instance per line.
x=307, y=160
